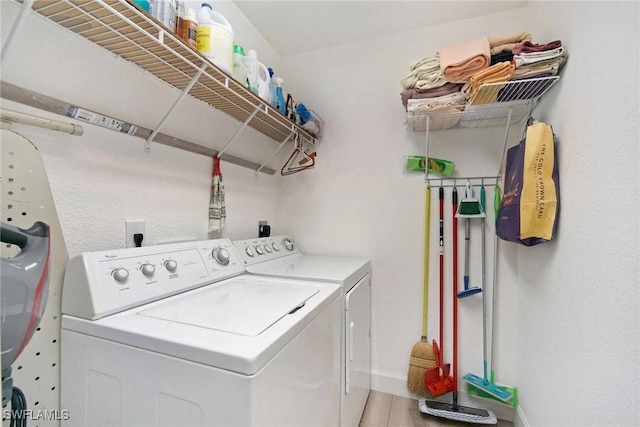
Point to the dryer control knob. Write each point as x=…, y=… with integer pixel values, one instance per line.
x=259, y=250
x=267, y=248
x=120, y=274
x=171, y=265
x=249, y=251
x=276, y=247
x=148, y=269
x=288, y=243
x=221, y=255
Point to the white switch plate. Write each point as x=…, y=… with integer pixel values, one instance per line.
x=135, y=227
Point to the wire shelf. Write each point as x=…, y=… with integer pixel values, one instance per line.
x=129, y=33
x=492, y=104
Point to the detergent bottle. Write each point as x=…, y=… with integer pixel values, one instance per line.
x=215, y=38
x=258, y=75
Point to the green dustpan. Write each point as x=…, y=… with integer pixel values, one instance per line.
x=469, y=206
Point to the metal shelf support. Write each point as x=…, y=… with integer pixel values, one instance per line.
x=185, y=92
x=15, y=29
x=235, y=135
x=275, y=151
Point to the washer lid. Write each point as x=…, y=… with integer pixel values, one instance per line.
x=242, y=307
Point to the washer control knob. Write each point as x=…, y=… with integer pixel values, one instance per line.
x=148, y=269
x=120, y=274
x=267, y=248
x=288, y=243
x=221, y=255
x=259, y=250
x=171, y=265
x=276, y=247
x=249, y=251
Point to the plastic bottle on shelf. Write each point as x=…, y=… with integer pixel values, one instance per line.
x=280, y=103
x=143, y=4
x=240, y=69
x=164, y=11
x=251, y=61
x=179, y=18
x=190, y=29
x=215, y=38
x=273, y=96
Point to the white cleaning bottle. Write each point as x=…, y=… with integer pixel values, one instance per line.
x=215, y=38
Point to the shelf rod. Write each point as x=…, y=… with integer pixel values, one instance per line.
x=29, y=98
x=275, y=151
x=27, y=119
x=147, y=142
x=455, y=182
x=244, y=125
x=15, y=29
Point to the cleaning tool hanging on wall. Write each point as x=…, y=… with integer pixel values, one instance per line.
x=453, y=411
x=437, y=380
x=422, y=354
x=468, y=208
x=529, y=209
x=472, y=390
x=483, y=383
x=217, y=209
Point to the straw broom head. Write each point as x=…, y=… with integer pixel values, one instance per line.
x=422, y=358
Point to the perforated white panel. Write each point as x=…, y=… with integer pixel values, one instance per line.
x=26, y=198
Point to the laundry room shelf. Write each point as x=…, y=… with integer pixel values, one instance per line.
x=492, y=104
x=129, y=33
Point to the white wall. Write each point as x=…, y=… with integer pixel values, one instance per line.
x=578, y=300
x=567, y=332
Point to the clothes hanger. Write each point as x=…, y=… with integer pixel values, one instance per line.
x=306, y=162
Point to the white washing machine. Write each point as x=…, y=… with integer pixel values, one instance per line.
x=178, y=335
x=279, y=257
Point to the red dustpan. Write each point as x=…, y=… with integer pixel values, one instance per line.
x=437, y=380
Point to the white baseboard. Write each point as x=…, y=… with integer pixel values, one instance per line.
x=396, y=385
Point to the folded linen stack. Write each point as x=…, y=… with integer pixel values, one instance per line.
x=439, y=106
x=424, y=74
x=477, y=89
x=507, y=42
x=459, y=62
x=435, y=92
x=534, y=62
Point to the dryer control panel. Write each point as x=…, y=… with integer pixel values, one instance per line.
x=97, y=284
x=254, y=251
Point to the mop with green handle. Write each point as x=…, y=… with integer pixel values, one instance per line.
x=483, y=383
x=480, y=392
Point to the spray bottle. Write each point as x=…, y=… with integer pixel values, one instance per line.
x=281, y=105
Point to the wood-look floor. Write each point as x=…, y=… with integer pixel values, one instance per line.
x=386, y=410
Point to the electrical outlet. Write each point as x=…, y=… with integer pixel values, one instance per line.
x=134, y=227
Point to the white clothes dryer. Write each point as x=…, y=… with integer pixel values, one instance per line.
x=177, y=335
x=279, y=257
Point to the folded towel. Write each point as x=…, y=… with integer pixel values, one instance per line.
x=500, y=72
x=501, y=57
x=445, y=89
x=499, y=44
x=424, y=72
x=533, y=57
x=443, y=111
x=528, y=47
x=459, y=62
